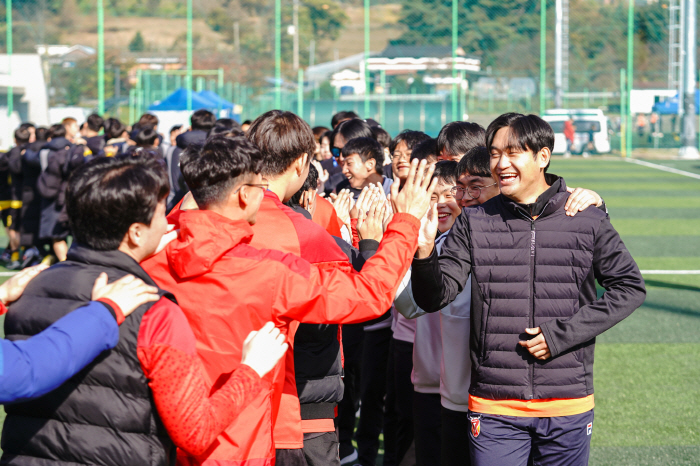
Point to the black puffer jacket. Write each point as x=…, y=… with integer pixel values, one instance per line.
x=532, y=273
x=103, y=415
x=178, y=187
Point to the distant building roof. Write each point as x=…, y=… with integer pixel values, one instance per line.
x=420, y=51
x=57, y=51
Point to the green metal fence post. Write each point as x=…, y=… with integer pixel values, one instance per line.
x=139, y=88
x=462, y=97
x=132, y=105
x=455, y=35
x=164, y=85
x=278, y=54
x=300, y=93
x=188, y=84
x=147, y=89
x=623, y=113
x=543, y=55
x=630, y=73
x=10, y=93
x=367, y=86
x=100, y=57
x=220, y=86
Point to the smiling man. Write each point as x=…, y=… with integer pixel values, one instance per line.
x=534, y=308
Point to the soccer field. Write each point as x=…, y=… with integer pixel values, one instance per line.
x=647, y=371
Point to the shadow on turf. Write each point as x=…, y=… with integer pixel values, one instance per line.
x=674, y=286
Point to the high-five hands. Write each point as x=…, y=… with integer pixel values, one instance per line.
x=414, y=197
x=370, y=225
x=537, y=346
x=263, y=349
x=427, y=233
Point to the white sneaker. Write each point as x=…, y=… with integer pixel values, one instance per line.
x=350, y=458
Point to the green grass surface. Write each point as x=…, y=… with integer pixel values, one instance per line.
x=647, y=369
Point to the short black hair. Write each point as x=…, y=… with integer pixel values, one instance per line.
x=366, y=148
x=476, y=162
x=410, y=138
x=27, y=125
x=382, y=136
x=282, y=137
x=146, y=137
x=351, y=129
x=147, y=119
x=107, y=195
x=425, y=149
x=113, y=128
x=95, y=122
x=202, y=120
x=340, y=116
x=56, y=131
x=458, y=137
x=310, y=183
x=446, y=170
x=22, y=135
x=41, y=133
x=175, y=128
x=527, y=132
x=319, y=131
x=225, y=126
x=212, y=170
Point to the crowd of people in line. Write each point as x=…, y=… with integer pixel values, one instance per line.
x=271, y=294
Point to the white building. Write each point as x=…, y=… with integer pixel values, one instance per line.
x=29, y=92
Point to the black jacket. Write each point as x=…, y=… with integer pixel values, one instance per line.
x=178, y=187
x=532, y=273
x=103, y=415
x=30, y=167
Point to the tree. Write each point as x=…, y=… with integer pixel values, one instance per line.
x=137, y=44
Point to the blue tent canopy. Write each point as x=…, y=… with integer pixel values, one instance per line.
x=670, y=106
x=214, y=97
x=178, y=101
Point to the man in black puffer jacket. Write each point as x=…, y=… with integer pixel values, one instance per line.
x=534, y=309
x=201, y=122
x=135, y=403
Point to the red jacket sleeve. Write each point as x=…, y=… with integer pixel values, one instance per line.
x=320, y=295
x=192, y=416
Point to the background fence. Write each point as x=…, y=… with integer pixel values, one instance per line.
x=315, y=57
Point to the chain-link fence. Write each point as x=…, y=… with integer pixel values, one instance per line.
x=406, y=63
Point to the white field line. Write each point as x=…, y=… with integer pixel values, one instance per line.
x=664, y=168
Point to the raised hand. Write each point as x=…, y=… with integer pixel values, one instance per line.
x=13, y=288
x=342, y=204
x=427, y=233
x=414, y=197
x=128, y=292
x=322, y=174
x=580, y=199
x=263, y=349
x=370, y=225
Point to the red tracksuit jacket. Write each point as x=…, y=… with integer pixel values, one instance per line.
x=228, y=288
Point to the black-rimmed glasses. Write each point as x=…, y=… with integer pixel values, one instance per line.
x=473, y=191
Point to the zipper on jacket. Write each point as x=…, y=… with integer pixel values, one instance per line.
x=531, y=395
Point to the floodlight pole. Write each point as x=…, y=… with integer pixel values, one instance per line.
x=543, y=55
x=278, y=54
x=367, y=86
x=558, y=54
x=630, y=73
x=689, y=149
x=100, y=57
x=623, y=113
x=455, y=35
x=189, y=55
x=10, y=96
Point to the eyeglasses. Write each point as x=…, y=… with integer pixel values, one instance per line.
x=473, y=191
x=336, y=152
x=262, y=186
x=401, y=155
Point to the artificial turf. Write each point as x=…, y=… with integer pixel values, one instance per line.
x=647, y=369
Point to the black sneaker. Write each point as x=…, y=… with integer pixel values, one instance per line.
x=347, y=455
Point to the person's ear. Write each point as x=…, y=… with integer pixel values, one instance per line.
x=135, y=234
x=543, y=157
x=371, y=165
x=301, y=163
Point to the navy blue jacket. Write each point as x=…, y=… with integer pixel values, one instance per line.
x=33, y=367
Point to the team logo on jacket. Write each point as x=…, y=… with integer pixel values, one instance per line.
x=476, y=426
x=589, y=428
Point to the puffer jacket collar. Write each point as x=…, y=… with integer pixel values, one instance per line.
x=112, y=259
x=204, y=238
x=549, y=202
x=57, y=144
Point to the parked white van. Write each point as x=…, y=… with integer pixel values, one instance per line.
x=588, y=122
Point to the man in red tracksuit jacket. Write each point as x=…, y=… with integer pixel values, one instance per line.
x=212, y=263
